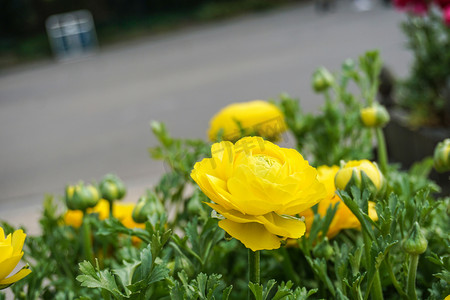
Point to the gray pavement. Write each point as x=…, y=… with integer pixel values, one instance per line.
x=63, y=122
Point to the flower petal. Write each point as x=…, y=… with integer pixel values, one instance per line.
x=215, y=189
x=283, y=226
x=8, y=265
x=253, y=235
x=16, y=277
x=6, y=252
x=234, y=215
x=18, y=239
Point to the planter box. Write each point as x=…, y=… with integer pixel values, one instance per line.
x=406, y=145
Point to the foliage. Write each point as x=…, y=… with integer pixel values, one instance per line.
x=338, y=125
x=183, y=254
x=426, y=92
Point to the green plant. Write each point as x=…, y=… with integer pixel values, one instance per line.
x=426, y=92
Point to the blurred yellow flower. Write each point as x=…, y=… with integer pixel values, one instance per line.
x=442, y=156
x=256, y=187
x=10, y=255
x=256, y=117
x=343, y=218
x=73, y=218
x=121, y=211
x=374, y=116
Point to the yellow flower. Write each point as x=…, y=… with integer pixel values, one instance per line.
x=374, y=116
x=121, y=211
x=256, y=187
x=352, y=170
x=256, y=117
x=343, y=218
x=73, y=218
x=10, y=255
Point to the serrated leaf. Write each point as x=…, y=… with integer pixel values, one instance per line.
x=99, y=279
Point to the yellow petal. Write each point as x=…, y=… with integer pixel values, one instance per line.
x=2, y=235
x=8, y=265
x=283, y=226
x=7, y=240
x=234, y=215
x=223, y=153
x=253, y=235
x=6, y=252
x=18, y=239
x=249, y=202
x=73, y=218
x=307, y=198
x=16, y=277
x=216, y=190
x=372, y=211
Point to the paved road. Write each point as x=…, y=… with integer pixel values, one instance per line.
x=63, y=122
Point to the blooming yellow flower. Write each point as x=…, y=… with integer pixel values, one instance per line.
x=343, y=218
x=10, y=255
x=256, y=117
x=256, y=187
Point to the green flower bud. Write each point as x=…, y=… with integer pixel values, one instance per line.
x=362, y=173
x=81, y=197
x=374, y=116
x=112, y=188
x=442, y=156
x=147, y=206
x=322, y=80
x=323, y=249
x=416, y=243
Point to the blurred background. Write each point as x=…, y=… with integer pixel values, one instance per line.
x=78, y=117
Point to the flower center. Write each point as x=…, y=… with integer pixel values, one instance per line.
x=264, y=165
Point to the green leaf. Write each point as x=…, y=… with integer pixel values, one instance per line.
x=99, y=279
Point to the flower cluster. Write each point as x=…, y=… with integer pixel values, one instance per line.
x=121, y=211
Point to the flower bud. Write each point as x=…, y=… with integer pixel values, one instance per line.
x=374, y=116
x=362, y=173
x=81, y=197
x=322, y=79
x=112, y=188
x=147, y=206
x=416, y=243
x=323, y=249
x=442, y=156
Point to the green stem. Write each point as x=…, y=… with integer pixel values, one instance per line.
x=376, y=290
x=111, y=209
x=87, y=242
x=287, y=264
x=411, y=283
x=254, y=274
x=382, y=152
x=394, y=281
